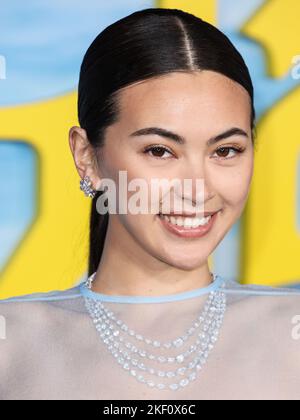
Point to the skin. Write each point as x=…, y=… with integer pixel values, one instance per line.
x=197, y=106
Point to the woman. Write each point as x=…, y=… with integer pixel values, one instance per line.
x=165, y=95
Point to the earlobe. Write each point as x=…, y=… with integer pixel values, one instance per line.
x=86, y=187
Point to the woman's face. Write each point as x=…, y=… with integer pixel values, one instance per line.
x=197, y=107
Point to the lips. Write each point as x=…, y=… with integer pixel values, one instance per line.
x=188, y=231
x=187, y=214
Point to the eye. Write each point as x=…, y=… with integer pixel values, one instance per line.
x=158, y=151
x=224, y=152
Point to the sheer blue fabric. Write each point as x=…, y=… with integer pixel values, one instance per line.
x=50, y=347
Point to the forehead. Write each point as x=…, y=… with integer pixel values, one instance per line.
x=200, y=98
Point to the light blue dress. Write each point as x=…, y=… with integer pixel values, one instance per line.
x=226, y=341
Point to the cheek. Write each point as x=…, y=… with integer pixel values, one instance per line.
x=140, y=227
x=143, y=193
x=233, y=184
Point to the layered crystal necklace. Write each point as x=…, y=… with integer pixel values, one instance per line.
x=174, y=371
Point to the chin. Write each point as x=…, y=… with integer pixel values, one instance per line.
x=187, y=263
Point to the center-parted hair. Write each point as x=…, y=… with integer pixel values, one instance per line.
x=146, y=44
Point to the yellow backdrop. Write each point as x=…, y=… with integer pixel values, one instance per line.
x=53, y=253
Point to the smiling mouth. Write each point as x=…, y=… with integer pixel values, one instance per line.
x=188, y=221
x=187, y=226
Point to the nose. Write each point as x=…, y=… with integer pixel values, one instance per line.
x=196, y=186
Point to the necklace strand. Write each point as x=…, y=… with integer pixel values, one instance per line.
x=157, y=344
x=101, y=317
x=211, y=320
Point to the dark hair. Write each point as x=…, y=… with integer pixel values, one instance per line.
x=148, y=43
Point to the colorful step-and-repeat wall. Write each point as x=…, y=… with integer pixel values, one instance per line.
x=43, y=214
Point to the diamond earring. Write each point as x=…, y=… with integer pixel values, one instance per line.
x=85, y=186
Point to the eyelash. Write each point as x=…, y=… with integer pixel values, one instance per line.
x=238, y=149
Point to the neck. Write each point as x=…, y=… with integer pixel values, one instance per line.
x=126, y=269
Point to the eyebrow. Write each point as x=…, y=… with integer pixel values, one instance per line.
x=234, y=131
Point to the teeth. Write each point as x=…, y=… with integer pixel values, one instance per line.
x=173, y=220
x=187, y=222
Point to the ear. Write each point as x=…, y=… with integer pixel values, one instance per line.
x=84, y=155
